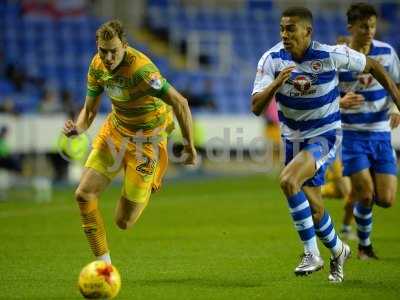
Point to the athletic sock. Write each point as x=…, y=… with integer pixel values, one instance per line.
x=363, y=217
x=301, y=214
x=327, y=234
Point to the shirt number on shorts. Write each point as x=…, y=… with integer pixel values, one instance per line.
x=147, y=167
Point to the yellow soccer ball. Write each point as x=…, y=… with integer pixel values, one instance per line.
x=99, y=280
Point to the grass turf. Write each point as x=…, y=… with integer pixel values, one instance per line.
x=224, y=239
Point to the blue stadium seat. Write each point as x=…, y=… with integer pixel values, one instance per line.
x=6, y=88
x=61, y=49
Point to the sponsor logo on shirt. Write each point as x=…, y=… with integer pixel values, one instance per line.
x=303, y=85
x=365, y=80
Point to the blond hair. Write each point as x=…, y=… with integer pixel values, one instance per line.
x=109, y=30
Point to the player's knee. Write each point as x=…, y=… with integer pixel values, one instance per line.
x=81, y=196
x=364, y=193
x=123, y=223
x=288, y=185
x=85, y=200
x=385, y=200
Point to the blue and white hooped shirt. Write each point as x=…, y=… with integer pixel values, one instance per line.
x=308, y=103
x=371, y=119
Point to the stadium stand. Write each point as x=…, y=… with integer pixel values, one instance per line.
x=58, y=49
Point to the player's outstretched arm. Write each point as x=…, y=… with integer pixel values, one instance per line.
x=182, y=112
x=85, y=118
x=378, y=71
x=261, y=100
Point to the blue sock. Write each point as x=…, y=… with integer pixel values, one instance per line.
x=363, y=217
x=301, y=214
x=327, y=234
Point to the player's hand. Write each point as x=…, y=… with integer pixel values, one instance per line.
x=284, y=75
x=351, y=100
x=394, y=120
x=70, y=129
x=189, y=155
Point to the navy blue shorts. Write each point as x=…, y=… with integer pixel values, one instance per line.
x=323, y=148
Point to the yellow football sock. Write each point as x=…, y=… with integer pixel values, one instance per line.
x=93, y=226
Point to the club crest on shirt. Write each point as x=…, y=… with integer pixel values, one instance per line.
x=303, y=85
x=316, y=66
x=155, y=82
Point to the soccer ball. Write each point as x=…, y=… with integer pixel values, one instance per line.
x=99, y=280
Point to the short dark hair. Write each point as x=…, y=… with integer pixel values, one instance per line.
x=109, y=30
x=297, y=11
x=360, y=11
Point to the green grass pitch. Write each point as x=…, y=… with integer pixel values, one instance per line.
x=218, y=239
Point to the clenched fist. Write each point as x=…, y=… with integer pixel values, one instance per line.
x=70, y=129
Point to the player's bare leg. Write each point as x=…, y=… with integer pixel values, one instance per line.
x=292, y=178
x=363, y=195
x=385, y=189
x=314, y=196
x=92, y=184
x=297, y=172
x=346, y=232
x=343, y=186
x=363, y=187
x=128, y=212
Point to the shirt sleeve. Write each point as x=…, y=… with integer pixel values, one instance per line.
x=394, y=66
x=393, y=108
x=346, y=58
x=94, y=87
x=152, y=81
x=265, y=74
